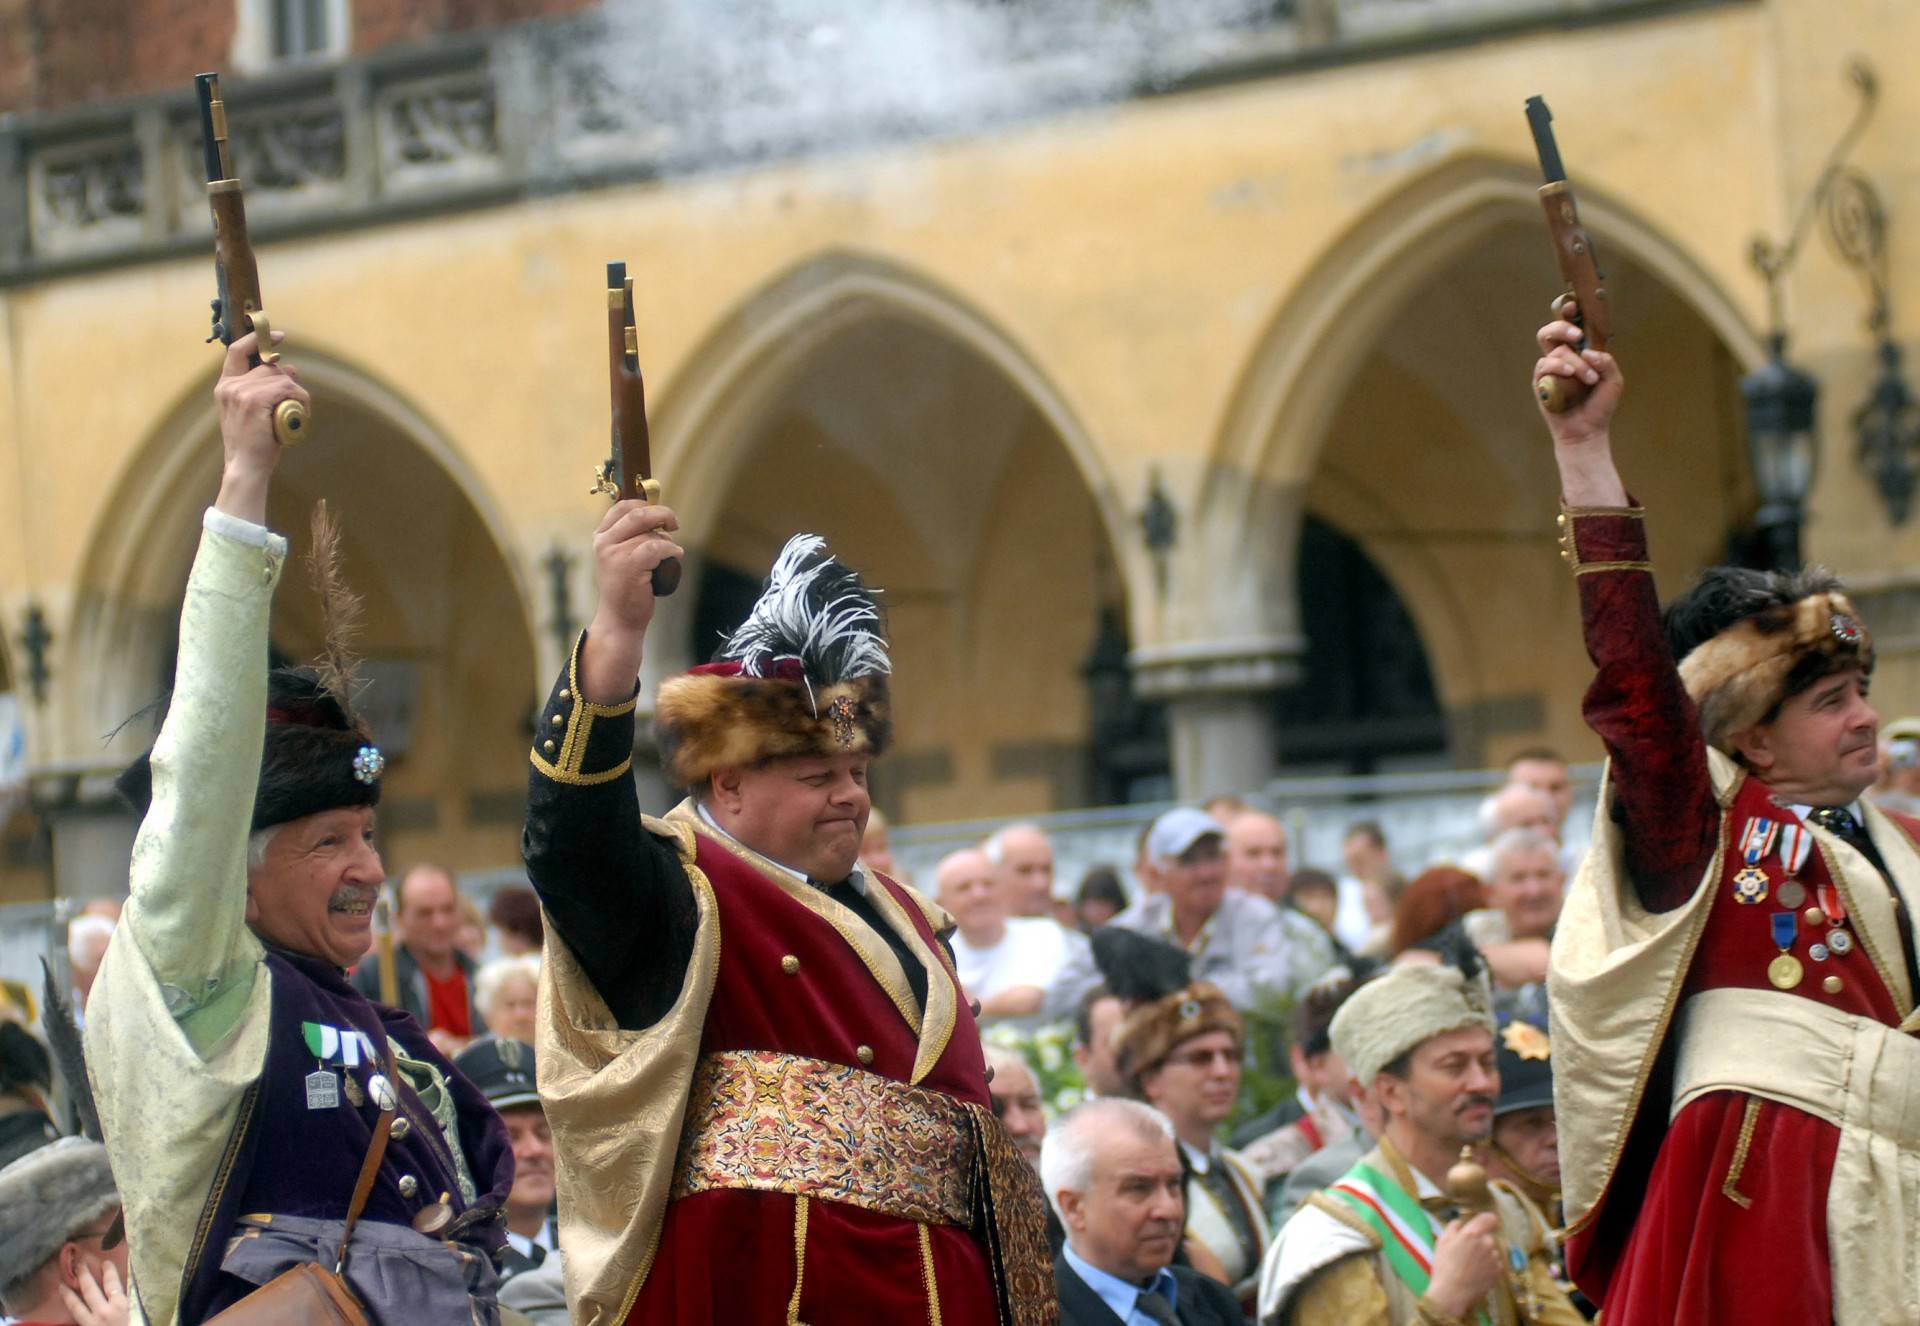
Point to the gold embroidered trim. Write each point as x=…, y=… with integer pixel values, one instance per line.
x=800, y=1258
x=1634, y=1098
x=1569, y=544
x=576, y=779
x=926, y=1269
x=943, y=991
x=1730, y=1188
x=708, y=908
x=783, y=1123
x=567, y=766
x=1629, y=512
x=874, y=952
x=1340, y=1211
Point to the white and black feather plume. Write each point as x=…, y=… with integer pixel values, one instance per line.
x=817, y=611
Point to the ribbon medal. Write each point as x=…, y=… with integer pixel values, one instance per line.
x=323, y=1090
x=342, y=1046
x=1796, y=840
x=1756, y=840
x=1785, y=971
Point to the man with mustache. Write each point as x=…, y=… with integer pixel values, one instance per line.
x=243, y=1084
x=765, y=1084
x=1733, y=976
x=1112, y=1174
x=1386, y=1245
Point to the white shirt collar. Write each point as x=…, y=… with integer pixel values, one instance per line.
x=1853, y=808
x=524, y=1245
x=1199, y=1161
x=858, y=879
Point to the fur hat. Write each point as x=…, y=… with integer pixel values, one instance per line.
x=318, y=754
x=1407, y=1004
x=46, y=1197
x=1748, y=640
x=806, y=674
x=1152, y=1031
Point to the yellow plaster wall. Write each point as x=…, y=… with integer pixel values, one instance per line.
x=1142, y=259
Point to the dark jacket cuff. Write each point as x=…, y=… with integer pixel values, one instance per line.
x=579, y=743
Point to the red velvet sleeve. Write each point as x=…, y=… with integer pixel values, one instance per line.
x=1663, y=798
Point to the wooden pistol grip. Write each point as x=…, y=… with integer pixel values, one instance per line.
x=1579, y=268
x=666, y=576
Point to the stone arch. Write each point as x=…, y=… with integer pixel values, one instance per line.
x=418, y=525
x=1336, y=360
x=1293, y=382
x=824, y=376
x=751, y=354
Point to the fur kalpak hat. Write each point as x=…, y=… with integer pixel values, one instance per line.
x=1748, y=640
x=1149, y=1034
x=46, y=1197
x=806, y=674
x=318, y=754
x=1394, y=1012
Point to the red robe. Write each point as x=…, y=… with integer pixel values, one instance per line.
x=851, y=1265
x=1697, y=1224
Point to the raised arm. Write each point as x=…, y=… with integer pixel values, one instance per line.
x=616, y=895
x=1636, y=703
x=188, y=881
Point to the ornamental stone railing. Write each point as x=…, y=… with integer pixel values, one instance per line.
x=648, y=88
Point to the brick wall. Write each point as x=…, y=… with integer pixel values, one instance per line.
x=61, y=53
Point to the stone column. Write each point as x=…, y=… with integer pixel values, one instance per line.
x=1219, y=696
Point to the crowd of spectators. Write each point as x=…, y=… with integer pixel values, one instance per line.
x=1162, y=1184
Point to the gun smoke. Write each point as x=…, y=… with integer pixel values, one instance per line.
x=744, y=79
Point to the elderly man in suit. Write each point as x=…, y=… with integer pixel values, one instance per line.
x=1112, y=1173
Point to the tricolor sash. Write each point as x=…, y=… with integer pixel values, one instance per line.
x=1407, y=1232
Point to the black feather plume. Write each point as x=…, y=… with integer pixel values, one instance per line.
x=1136, y=967
x=63, y=1038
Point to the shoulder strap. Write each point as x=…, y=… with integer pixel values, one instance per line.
x=370, y=1167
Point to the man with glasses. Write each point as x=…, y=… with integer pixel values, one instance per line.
x=1181, y=1054
x=63, y=1258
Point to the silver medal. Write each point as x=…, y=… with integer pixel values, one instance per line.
x=323, y=1090
x=382, y=1092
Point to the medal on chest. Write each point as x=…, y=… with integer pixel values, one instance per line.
x=1756, y=840
x=323, y=1090
x=1796, y=840
x=1785, y=971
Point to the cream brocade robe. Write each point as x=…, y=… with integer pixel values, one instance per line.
x=177, y=1023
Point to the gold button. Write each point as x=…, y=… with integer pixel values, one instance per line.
x=565, y=695
x=559, y=720
x=409, y=1185
x=989, y=1072
x=1815, y=916
x=864, y=1054
x=790, y=965
x=1832, y=985
x=548, y=746
x=400, y=1130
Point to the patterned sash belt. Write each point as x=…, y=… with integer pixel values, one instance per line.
x=781, y=1123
